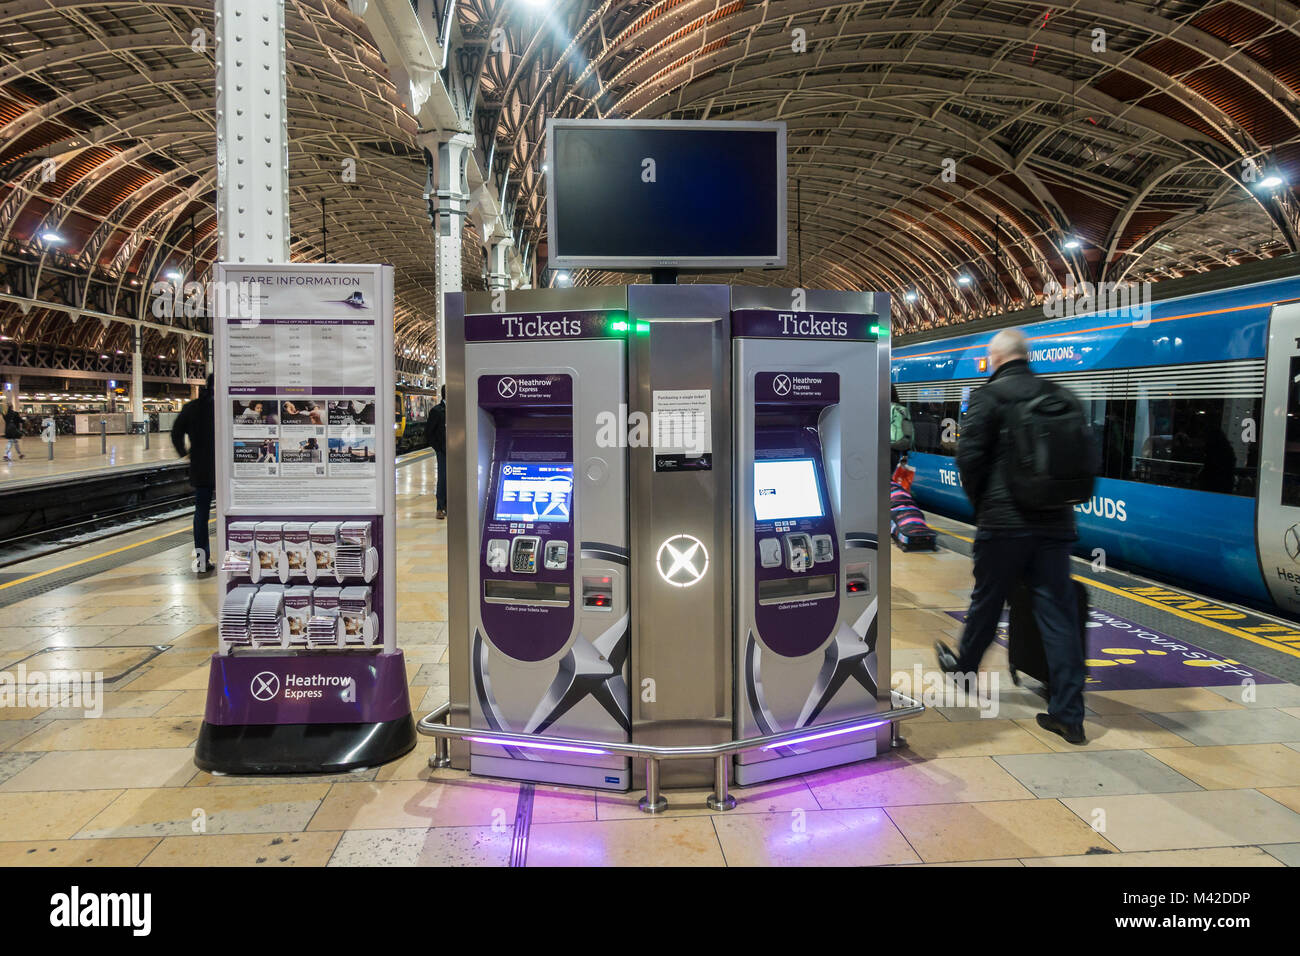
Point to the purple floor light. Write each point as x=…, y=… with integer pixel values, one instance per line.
x=497, y=741
x=829, y=733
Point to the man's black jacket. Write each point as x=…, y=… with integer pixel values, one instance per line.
x=983, y=449
x=196, y=422
x=435, y=429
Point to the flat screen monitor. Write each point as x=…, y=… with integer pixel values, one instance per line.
x=534, y=491
x=650, y=194
x=786, y=489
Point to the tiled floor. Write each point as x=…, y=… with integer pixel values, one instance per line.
x=1187, y=777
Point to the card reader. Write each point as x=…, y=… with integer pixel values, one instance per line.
x=523, y=554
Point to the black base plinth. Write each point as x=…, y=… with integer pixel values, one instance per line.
x=301, y=748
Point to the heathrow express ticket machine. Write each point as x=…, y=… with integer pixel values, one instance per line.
x=666, y=509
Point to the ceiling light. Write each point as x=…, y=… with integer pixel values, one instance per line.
x=1271, y=181
x=910, y=296
x=174, y=276
x=1072, y=243
x=51, y=237
x=963, y=279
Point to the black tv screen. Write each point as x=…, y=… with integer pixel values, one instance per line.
x=637, y=195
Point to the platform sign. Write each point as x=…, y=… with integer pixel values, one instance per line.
x=305, y=454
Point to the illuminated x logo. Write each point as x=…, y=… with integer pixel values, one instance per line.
x=781, y=385
x=506, y=388
x=682, y=560
x=264, y=686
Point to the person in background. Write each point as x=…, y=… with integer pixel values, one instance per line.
x=436, y=430
x=13, y=432
x=196, y=422
x=900, y=429
x=1012, y=543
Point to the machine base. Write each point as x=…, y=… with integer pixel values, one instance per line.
x=539, y=771
x=760, y=771
x=301, y=748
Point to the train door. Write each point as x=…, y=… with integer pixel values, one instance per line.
x=1277, y=514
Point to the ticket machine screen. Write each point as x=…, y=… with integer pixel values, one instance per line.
x=786, y=489
x=534, y=491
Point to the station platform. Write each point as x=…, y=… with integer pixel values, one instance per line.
x=1193, y=756
x=80, y=456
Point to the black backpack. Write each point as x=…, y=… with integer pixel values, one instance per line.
x=1051, y=453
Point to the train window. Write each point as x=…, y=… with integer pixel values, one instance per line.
x=934, y=427
x=1182, y=443
x=1291, y=455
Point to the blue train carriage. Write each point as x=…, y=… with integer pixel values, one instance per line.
x=1197, y=414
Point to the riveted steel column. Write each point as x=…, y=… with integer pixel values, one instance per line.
x=252, y=132
x=452, y=199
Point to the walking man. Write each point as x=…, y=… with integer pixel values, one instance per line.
x=436, y=430
x=13, y=432
x=196, y=422
x=1014, y=542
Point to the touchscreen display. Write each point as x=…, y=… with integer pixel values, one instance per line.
x=534, y=491
x=786, y=489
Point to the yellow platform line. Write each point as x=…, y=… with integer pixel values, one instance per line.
x=1177, y=612
x=106, y=554
x=409, y=456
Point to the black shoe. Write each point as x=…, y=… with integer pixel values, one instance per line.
x=947, y=659
x=1072, y=734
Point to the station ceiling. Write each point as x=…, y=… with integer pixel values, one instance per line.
x=929, y=139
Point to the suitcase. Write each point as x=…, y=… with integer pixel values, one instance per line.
x=1025, y=644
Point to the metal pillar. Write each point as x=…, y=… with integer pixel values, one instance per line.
x=137, y=376
x=452, y=201
x=499, y=263
x=252, y=132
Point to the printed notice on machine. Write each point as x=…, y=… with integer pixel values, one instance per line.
x=681, y=426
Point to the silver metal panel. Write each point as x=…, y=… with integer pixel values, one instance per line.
x=458, y=517
x=651, y=262
x=681, y=636
x=1278, y=524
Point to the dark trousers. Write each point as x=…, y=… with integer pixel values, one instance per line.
x=202, y=505
x=440, y=488
x=1044, y=564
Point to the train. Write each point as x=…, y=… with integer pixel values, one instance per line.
x=411, y=410
x=1194, y=402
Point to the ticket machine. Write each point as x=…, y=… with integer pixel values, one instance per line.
x=539, y=513
x=809, y=381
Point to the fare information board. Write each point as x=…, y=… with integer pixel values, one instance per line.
x=300, y=414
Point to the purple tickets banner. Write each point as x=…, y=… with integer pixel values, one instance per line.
x=1123, y=655
x=540, y=326
x=797, y=388
x=333, y=688
x=771, y=324
x=512, y=391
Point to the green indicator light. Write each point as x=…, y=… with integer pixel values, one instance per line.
x=618, y=326
x=643, y=328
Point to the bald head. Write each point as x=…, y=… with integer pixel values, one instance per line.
x=1007, y=346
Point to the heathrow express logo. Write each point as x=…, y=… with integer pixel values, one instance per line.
x=781, y=385
x=507, y=387
x=1291, y=541
x=265, y=686
x=682, y=560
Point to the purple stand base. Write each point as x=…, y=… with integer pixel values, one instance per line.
x=305, y=712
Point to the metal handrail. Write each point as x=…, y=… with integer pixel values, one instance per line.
x=654, y=801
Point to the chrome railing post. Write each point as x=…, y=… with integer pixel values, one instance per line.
x=896, y=739
x=653, y=801
x=720, y=799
